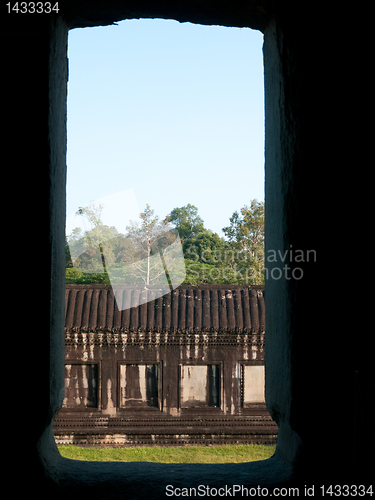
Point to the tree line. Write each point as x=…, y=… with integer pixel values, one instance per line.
x=103, y=255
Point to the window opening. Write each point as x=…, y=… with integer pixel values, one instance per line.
x=81, y=386
x=165, y=119
x=214, y=385
x=252, y=384
x=139, y=385
x=200, y=386
x=165, y=173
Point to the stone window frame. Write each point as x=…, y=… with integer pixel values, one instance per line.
x=123, y=362
x=89, y=409
x=221, y=390
x=241, y=377
x=282, y=147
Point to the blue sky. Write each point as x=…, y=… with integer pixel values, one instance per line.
x=173, y=111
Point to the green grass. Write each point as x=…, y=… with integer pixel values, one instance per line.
x=173, y=455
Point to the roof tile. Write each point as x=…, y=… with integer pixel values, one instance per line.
x=188, y=308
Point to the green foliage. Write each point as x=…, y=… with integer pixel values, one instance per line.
x=239, y=259
x=74, y=276
x=206, y=247
x=181, y=454
x=187, y=221
x=246, y=238
x=246, y=230
x=198, y=273
x=88, y=245
x=202, y=247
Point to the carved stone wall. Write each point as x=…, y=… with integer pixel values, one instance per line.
x=169, y=380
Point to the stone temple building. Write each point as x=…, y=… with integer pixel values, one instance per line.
x=186, y=367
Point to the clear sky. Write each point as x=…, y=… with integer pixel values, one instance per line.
x=173, y=111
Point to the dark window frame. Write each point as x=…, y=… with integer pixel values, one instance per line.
x=91, y=409
x=282, y=140
x=221, y=385
x=160, y=384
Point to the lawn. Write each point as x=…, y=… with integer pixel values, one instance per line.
x=180, y=454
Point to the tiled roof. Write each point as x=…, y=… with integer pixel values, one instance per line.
x=188, y=308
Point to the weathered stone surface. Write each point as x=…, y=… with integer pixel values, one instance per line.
x=164, y=383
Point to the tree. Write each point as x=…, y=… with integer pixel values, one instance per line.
x=187, y=222
x=206, y=247
x=246, y=237
x=199, y=243
x=93, y=214
x=149, y=250
x=151, y=240
x=86, y=247
x=203, y=249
